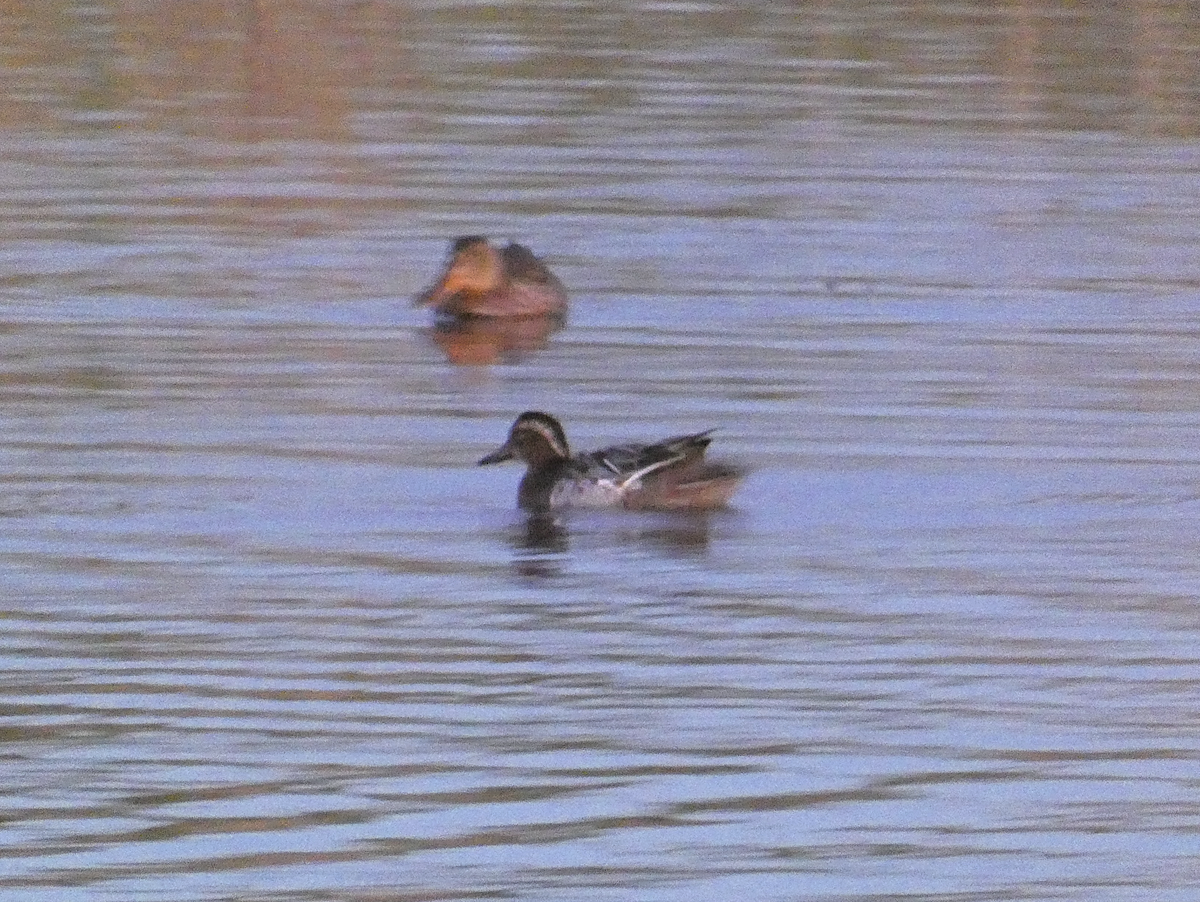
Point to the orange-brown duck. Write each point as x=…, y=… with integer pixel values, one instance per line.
x=481, y=280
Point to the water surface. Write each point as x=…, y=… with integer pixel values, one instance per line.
x=929, y=270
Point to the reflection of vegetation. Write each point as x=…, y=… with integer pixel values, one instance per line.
x=303, y=67
x=96, y=378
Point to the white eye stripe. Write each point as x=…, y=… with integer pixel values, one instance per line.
x=547, y=432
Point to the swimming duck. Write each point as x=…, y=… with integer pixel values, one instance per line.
x=480, y=280
x=668, y=475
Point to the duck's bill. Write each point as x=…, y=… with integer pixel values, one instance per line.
x=431, y=296
x=502, y=453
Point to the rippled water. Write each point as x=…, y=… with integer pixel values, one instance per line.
x=931, y=272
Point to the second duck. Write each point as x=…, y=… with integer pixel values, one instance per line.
x=480, y=280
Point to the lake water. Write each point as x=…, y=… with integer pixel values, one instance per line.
x=932, y=272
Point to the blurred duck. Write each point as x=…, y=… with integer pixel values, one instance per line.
x=668, y=475
x=480, y=280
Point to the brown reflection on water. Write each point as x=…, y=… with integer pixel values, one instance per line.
x=255, y=70
x=489, y=340
x=250, y=70
x=1140, y=56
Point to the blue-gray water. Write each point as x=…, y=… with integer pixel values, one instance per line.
x=931, y=270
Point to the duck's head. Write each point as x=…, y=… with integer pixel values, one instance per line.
x=473, y=268
x=536, y=438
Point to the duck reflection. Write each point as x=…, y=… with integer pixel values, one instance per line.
x=541, y=547
x=544, y=535
x=542, y=543
x=468, y=341
x=682, y=534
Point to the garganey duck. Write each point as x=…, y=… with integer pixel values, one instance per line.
x=671, y=474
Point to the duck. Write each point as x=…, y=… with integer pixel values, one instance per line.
x=671, y=474
x=481, y=280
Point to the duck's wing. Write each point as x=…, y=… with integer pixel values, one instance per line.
x=523, y=265
x=528, y=289
x=627, y=464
